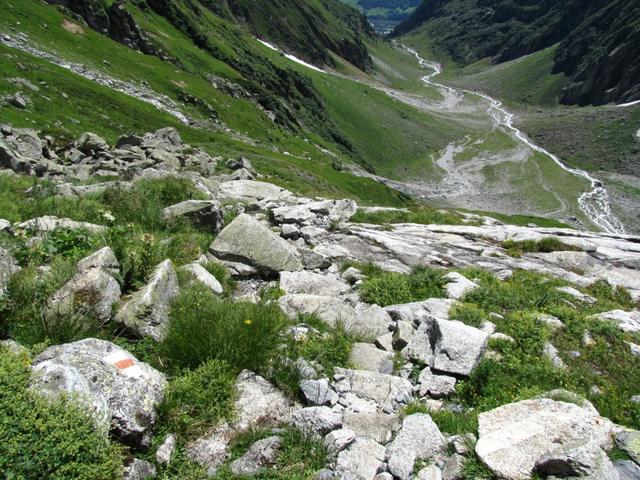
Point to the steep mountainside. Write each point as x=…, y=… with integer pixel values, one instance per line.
x=310, y=29
x=599, y=40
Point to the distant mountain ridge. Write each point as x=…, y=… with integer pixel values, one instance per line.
x=599, y=40
x=385, y=14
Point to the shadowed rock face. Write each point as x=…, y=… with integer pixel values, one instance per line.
x=598, y=48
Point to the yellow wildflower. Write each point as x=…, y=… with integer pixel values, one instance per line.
x=247, y=322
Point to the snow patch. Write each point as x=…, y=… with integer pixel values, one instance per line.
x=290, y=57
x=629, y=104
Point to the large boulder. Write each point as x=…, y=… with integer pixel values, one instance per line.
x=261, y=454
x=8, y=266
x=317, y=420
x=366, y=356
x=205, y=213
x=92, y=290
x=200, y=274
x=457, y=348
x=249, y=191
x=90, y=144
x=369, y=321
x=118, y=391
x=582, y=459
x=458, y=285
x=49, y=223
x=514, y=437
x=248, y=241
x=147, y=310
x=323, y=211
x=360, y=461
x=312, y=283
x=388, y=392
x=418, y=439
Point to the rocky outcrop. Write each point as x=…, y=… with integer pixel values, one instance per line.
x=147, y=311
x=248, y=241
x=93, y=290
x=514, y=438
x=119, y=392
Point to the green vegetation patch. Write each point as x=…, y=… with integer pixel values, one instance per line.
x=421, y=215
x=546, y=245
x=390, y=288
x=203, y=327
x=44, y=438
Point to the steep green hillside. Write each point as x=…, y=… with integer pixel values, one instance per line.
x=598, y=40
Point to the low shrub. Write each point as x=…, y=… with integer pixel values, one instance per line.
x=143, y=203
x=44, y=438
x=63, y=243
x=389, y=288
x=545, y=245
x=24, y=303
x=330, y=348
x=203, y=327
x=421, y=215
x=300, y=457
x=468, y=313
x=222, y=275
x=198, y=398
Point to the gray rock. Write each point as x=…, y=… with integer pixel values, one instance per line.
x=629, y=441
x=383, y=476
x=323, y=211
x=312, y=283
x=90, y=143
x=386, y=391
x=17, y=100
x=415, y=313
x=249, y=241
x=514, y=437
x=318, y=392
x=317, y=420
x=553, y=355
x=626, y=321
x=261, y=454
x=452, y=468
x=165, y=451
x=385, y=342
x=578, y=295
x=378, y=426
x=457, y=348
x=8, y=267
x=634, y=348
x=94, y=292
x=436, y=386
x=202, y=275
x=258, y=403
x=289, y=231
x=139, y=470
x=325, y=474
x=338, y=440
x=15, y=348
x=49, y=223
x=252, y=192
x=119, y=392
x=365, y=356
x=627, y=469
x=361, y=461
x=240, y=163
x=147, y=310
x=204, y=213
x=554, y=323
x=402, y=334
x=463, y=444
x=458, y=285
x=580, y=459
x=431, y=472
x=418, y=439
x=5, y=226
x=104, y=259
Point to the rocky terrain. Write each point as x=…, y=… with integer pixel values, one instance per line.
x=433, y=315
